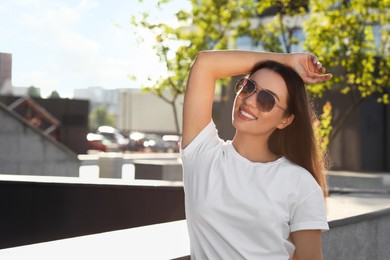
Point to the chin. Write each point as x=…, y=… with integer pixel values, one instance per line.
x=239, y=124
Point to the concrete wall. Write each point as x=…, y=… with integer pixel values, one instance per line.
x=34, y=212
x=25, y=150
x=37, y=211
x=359, y=238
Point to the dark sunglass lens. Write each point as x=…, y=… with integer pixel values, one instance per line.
x=239, y=86
x=265, y=101
x=245, y=86
x=249, y=87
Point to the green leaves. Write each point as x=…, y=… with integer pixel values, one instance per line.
x=351, y=38
x=343, y=37
x=323, y=127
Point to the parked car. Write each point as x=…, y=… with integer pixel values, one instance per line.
x=113, y=139
x=155, y=143
x=142, y=142
x=96, y=142
x=136, y=142
x=173, y=141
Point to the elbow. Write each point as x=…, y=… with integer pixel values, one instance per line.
x=203, y=64
x=202, y=57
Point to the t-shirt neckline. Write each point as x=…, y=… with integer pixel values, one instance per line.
x=234, y=152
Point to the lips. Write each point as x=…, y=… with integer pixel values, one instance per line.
x=246, y=114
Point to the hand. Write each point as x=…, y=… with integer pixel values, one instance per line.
x=309, y=68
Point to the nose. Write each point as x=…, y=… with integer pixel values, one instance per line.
x=251, y=99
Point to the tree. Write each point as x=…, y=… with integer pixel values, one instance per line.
x=217, y=24
x=280, y=26
x=211, y=24
x=33, y=92
x=54, y=94
x=99, y=116
x=343, y=34
x=340, y=32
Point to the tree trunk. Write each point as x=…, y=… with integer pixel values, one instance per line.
x=175, y=116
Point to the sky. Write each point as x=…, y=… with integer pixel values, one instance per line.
x=71, y=44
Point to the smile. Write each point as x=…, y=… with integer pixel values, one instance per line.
x=247, y=115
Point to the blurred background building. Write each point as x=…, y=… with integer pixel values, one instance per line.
x=5, y=73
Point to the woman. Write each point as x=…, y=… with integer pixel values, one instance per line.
x=261, y=195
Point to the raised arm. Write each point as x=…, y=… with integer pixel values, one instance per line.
x=212, y=65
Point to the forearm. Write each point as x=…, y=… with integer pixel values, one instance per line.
x=228, y=63
x=212, y=65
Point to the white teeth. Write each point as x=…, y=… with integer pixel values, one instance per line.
x=247, y=115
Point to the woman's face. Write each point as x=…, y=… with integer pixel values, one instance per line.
x=247, y=118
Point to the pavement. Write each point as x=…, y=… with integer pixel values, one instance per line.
x=353, y=194
x=341, y=206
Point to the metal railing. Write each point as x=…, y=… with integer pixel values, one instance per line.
x=36, y=116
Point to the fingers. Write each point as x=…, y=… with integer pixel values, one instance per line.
x=317, y=64
x=314, y=58
x=317, y=78
x=310, y=68
x=319, y=75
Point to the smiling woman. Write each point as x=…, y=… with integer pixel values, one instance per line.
x=261, y=195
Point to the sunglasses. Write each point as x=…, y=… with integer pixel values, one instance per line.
x=245, y=87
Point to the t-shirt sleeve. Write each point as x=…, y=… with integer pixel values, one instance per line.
x=310, y=213
x=207, y=139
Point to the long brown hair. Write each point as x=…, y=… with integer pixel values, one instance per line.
x=297, y=142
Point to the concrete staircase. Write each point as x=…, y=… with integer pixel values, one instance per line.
x=25, y=150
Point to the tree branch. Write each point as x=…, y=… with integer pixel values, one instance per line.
x=338, y=126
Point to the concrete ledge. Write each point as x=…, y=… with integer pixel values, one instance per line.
x=360, y=237
x=39, y=211
x=128, y=158
x=360, y=218
x=147, y=166
x=356, y=238
x=360, y=223
x=160, y=241
x=158, y=170
x=359, y=180
x=359, y=227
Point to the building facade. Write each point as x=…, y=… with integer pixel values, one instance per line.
x=5, y=73
x=146, y=112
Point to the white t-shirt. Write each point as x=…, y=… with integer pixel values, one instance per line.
x=238, y=209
